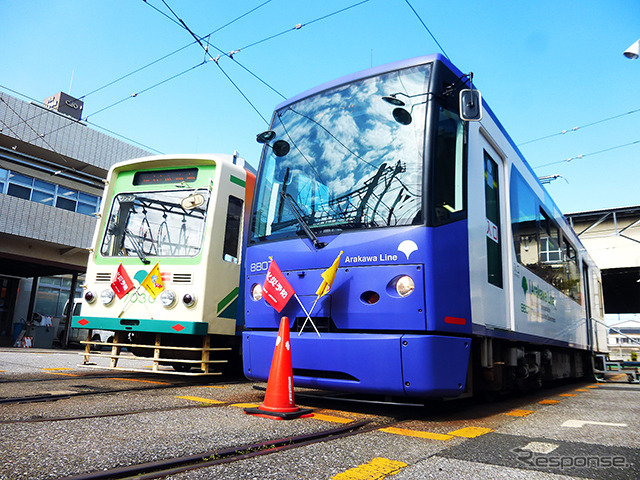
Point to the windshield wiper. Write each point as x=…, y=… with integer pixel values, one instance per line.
x=296, y=213
x=137, y=247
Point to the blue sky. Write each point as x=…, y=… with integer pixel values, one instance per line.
x=543, y=66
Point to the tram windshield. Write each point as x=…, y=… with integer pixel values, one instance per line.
x=159, y=224
x=351, y=165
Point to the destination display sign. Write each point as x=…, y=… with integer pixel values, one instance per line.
x=158, y=177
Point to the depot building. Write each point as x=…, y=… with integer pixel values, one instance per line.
x=52, y=171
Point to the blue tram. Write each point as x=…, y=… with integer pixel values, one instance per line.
x=459, y=272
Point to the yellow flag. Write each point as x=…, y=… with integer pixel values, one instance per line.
x=328, y=276
x=153, y=282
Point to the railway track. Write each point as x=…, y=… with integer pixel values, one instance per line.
x=107, y=414
x=172, y=466
x=53, y=397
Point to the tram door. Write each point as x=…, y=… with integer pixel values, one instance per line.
x=498, y=277
x=586, y=277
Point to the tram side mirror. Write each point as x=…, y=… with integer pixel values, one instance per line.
x=265, y=137
x=470, y=105
x=402, y=116
x=192, y=201
x=281, y=148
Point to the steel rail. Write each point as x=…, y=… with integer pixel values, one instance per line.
x=62, y=396
x=172, y=466
x=110, y=414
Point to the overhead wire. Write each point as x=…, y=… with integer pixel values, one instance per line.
x=300, y=25
x=71, y=122
x=198, y=40
x=135, y=71
x=239, y=17
x=216, y=60
x=86, y=119
x=41, y=137
x=427, y=29
x=134, y=95
x=231, y=54
x=579, y=157
x=582, y=127
x=164, y=57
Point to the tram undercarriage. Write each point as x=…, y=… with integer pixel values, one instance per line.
x=193, y=355
x=502, y=366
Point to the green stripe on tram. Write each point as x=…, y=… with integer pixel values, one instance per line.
x=238, y=181
x=226, y=300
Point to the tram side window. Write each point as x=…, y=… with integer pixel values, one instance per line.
x=572, y=271
x=551, y=261
x=448, y=170
x=492, y=208
x=524, y=221
x=232, y=230
x=539, y=244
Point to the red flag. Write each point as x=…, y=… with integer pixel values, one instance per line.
x=122, y=283
x=276, y=289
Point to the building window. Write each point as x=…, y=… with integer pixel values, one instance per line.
x=67, y=199
x=19, y=185
x=29, y=188
x=3, y=178
x=53, y=293
x=43, y=192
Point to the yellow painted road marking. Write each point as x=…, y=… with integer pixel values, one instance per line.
x=519, y=413
x=581, y=390
x=138, y=380
x=200, y=399
x=548, y=402
x=416, y=433
x=568, y=395
x=214, y=386
x=378, y=468
x=245, y=405
x=593, y=386
x=331, y=418
x=471, y=432
x=64, y=374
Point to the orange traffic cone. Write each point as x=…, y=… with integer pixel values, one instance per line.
x=278, y=402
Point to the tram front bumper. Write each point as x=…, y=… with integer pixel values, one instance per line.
x=385, y=364
x=140, y=325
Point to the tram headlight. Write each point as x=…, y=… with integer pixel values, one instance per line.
x=256, y=292
x=106, y=297
x=405, y=286
x=168, y=298
x=189, y=300
x=89, y=296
